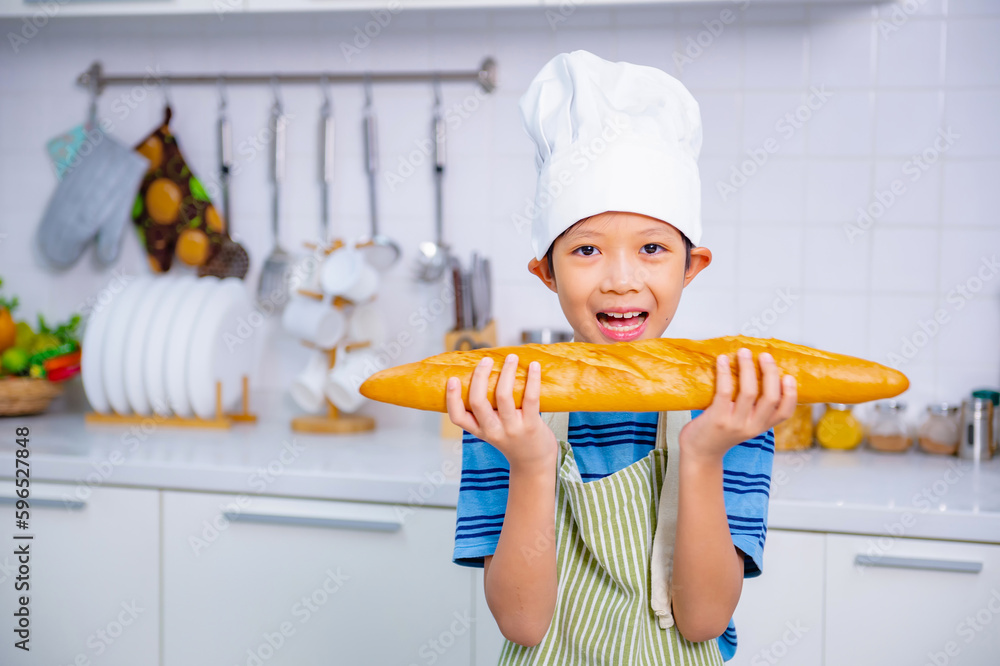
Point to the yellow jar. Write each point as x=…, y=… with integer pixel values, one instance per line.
x=838, y=428
x=796, y=432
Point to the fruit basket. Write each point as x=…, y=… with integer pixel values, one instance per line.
x=20, y=396
x=34, y=363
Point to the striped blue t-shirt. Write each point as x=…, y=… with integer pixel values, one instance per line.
x=604, y=443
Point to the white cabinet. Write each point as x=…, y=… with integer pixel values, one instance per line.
x=282, y=581
x=927, y=602
x=780, y=615
x=93, y=575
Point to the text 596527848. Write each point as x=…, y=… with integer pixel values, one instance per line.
x=22, y=542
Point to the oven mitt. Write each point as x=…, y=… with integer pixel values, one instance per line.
x=63, y=149
x=92, y=199
x=172, y=213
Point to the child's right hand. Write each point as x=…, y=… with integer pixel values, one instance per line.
x=519, y=434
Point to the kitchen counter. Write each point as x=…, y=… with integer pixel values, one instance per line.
x=862, y=492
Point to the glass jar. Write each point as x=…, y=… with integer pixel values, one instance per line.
x=888, y=431
x=796, y=432
x=940, y=429
x=838, y=428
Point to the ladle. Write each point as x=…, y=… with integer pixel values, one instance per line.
x=379, y=251
x=434, y=258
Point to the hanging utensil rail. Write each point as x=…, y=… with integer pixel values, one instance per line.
x=96, y=80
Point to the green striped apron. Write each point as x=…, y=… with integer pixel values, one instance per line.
x=607, y=588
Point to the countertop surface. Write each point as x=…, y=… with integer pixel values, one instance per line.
x=862, y=492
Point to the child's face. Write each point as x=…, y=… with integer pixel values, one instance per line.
x=621, y=262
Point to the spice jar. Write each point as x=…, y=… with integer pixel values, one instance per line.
x=975, y=441
x=939, y=431
x=888, y=429
x=994, y=397
x=796, y=432
x=838, y=428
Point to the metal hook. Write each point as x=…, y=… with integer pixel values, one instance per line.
x=223, y=97
x=437, y=90
x=92, y=106
x=276, y=91
x=368, y=90
x=165, y=90
x=324, y=86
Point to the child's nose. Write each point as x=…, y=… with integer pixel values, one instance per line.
x=625, y=273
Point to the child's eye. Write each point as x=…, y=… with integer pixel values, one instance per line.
x=586, y=247
x=652, y=245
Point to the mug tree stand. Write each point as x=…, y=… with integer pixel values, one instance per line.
x=333, y=421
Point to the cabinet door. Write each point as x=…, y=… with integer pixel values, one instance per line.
x=281, y=581
x=780, y=615
x=911, y=601
x=93, y=575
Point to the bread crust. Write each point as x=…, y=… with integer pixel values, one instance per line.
x=658, y=374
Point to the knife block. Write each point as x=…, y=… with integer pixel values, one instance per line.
x=465, y=339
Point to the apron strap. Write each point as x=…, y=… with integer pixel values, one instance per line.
x=662, y=556
x=558, y=422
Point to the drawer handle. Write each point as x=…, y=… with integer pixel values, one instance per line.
x=35, y=501
x=371, y=524
x=961, y=566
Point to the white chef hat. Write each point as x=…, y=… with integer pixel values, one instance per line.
x=611, y=136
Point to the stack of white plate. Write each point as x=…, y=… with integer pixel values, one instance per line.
x=160, y=344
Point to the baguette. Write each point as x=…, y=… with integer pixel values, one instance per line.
x=658, y=374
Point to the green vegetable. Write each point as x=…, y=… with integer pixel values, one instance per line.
x=64, y=332
x=39, y=357
x=8, y=304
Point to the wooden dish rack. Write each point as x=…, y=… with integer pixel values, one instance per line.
x=220, y=420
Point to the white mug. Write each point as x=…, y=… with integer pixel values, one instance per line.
x=365, y=323
x=317, y=322
x=349, y=371
x=307, y=387
x=345, y=273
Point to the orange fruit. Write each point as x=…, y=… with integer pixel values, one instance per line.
x=8, y=330
x=192, y=247
x=163, y=200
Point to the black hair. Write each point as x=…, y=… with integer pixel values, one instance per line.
x=687, y=254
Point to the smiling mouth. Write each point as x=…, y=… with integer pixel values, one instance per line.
x=627, y=322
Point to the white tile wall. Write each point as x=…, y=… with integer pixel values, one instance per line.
x=896, y=80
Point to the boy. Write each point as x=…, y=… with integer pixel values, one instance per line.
x=615, y=236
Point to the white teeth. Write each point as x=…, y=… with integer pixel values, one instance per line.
x=631, y=326
x=620, y=315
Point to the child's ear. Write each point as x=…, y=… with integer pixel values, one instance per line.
x=542, y=270
x=701, y=257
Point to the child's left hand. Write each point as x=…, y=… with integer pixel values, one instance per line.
x=726, y=422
